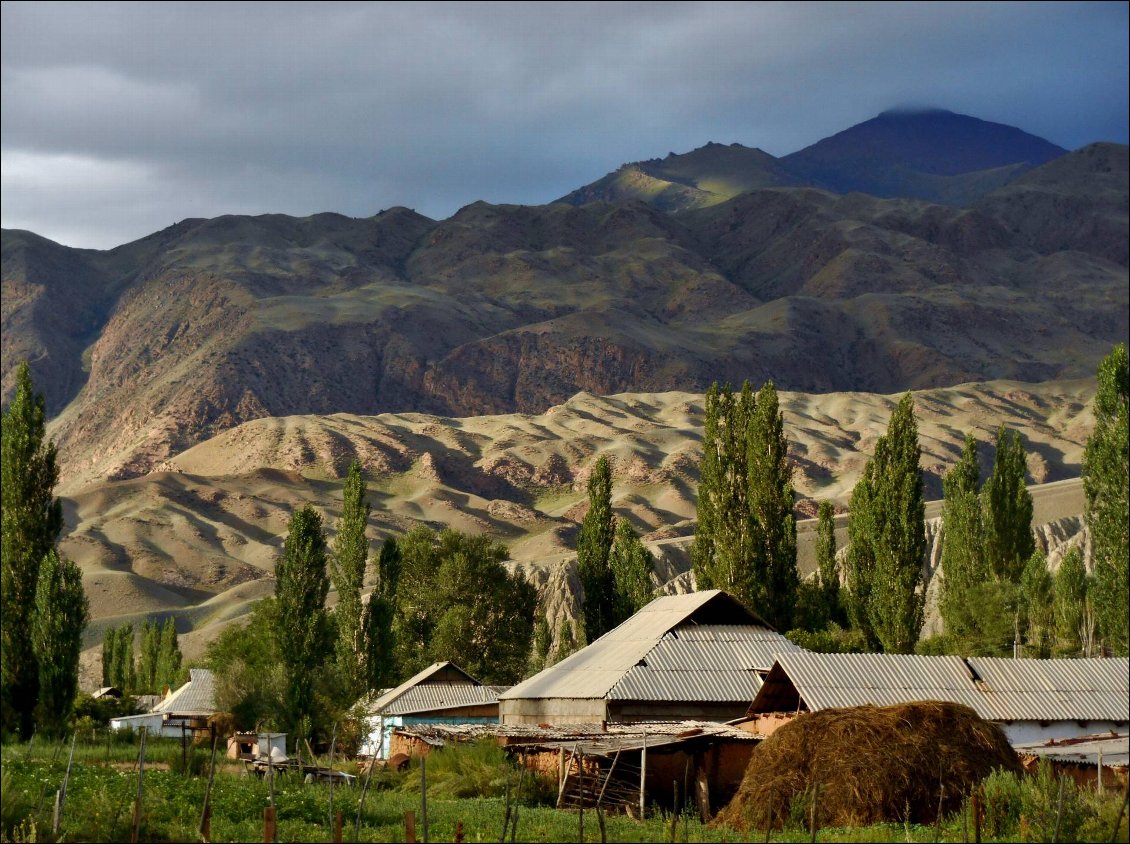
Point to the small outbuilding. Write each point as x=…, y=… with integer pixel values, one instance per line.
x=186, y=709
x=698, y=656
x=1033, y=700
x=443, y=693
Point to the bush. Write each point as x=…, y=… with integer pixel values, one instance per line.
x=1003, y=802
x=1040, y=805
x=834, y=640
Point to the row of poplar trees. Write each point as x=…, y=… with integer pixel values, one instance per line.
x=158, y=664
x=997, y=589
x=45, y=609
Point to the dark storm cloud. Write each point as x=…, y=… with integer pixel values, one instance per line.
x=119, y=119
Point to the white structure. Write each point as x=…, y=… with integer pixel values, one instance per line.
x=1032, y=700
x=196, y=699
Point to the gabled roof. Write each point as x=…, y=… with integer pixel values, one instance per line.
x=442, y=685
x=702, y=646
x=996, y=689
x=196, y=697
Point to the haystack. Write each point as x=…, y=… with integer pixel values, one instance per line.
x=871, y=764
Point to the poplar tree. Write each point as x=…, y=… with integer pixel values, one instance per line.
x=543, y=638
x=709, y=489
x=962, y=558
x=773, y=571
x=125, y=675
x=594, y=549
x=1007, y=510
x=148, y=659
x=350, y=556
x=1073, y=619
x=723, y=554
x=1105, y=480
x=888, y=536
x=380, y=645
x=301, y=585
x=826, y=568
x=566, y=642
x=61, y=614
x=631, y=565
x=168, y=657
x=31, y=521
x=1037, y=593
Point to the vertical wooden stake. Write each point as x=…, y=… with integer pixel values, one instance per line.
x=337, y=828
x=1099, y=781
x=459, y=832
x=61, y=795
x=976, y=809
x=424, y=796
x=674, y=810
x=769, y=817
x=135, y=832
x=57, y=814
x=333, y=741
x=361, y=802
x=814, y=817
x=643, y=772
x=410, y=827
x=581, y=798
x=506, y=814
x=206, y=812
x=600, y=823
x=517, y=798
x=270, y=826
x=1058, y=809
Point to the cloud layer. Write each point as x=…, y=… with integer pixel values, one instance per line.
x=120, y=119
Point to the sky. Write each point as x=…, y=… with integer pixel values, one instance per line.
x=120, y=119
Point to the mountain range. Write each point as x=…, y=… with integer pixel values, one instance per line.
x=203, y=380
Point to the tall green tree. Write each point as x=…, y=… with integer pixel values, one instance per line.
x=543, y=639
x=827, y=570
x=774, y=571
x=723, y=555
x=594, y=549
x=61, y=614
x=962, y=559
x=301, y=586
x=457, y=601
x=631, y=565
x=168, y=663
x=1074, y=617
x=31, y=520
x=380, y=645
x=125, y=673
x=567, y=643
x=149, y=656
x=349, y=559
x=863, y=530
x=1037, y=593
x=888, y=536
x=1105, y=480
x=1007, y=510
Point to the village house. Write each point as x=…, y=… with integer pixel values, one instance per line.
x=1033, y=700
x=698, y=656
x=443, y=693
x=186, y=709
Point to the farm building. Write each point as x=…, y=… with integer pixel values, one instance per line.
x=443, y=693
x=1032, y=700
x=1099, y=761
x=188, y=708
x=698, y=656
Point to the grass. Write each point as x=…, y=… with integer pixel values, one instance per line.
x=103, y=784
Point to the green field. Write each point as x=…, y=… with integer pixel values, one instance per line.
x=104, y=782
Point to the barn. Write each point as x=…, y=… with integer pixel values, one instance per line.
x=698, y=656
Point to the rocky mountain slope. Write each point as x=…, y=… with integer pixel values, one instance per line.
x=199, y=537
x=155, y=346
x=929, y=154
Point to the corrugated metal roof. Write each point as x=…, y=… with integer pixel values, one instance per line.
x=827, y=681
x=435, y=696
x=1115, y=750
x=1055, y=689
x=386, y=700
x=197, y=696
x=662, y=653
x=1001, y=690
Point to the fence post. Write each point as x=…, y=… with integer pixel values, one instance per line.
x=643, y=772
x=424, y=796
x=135, y=832
x=814, y=820
x=206, y=812
x=270, y=827
x=410, y=827
x=61, y=794
x=337, y=828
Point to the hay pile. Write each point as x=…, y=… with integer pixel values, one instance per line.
x=871, y=764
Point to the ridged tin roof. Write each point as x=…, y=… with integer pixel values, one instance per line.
x=996, y=689
x=702, y=646
x=196, y=697
x=432, y=697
